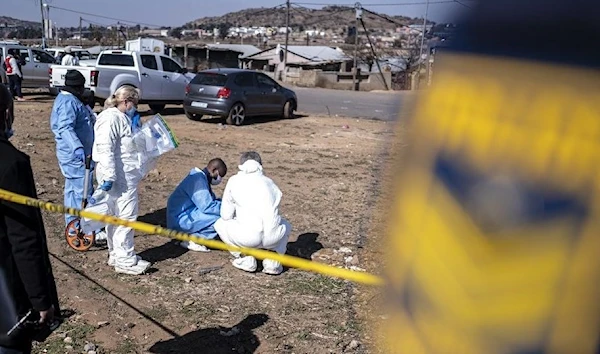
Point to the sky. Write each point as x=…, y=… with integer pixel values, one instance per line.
x=178, y=12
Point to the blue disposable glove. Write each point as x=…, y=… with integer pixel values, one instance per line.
x=106, y=186
x=136, y=122
x=79, y=154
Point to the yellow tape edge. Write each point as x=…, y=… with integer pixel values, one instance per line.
x=286, y=260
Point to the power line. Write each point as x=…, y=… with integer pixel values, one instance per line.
x=463, y=4
x=389, y=19
x=379, y=4
x=106, y=17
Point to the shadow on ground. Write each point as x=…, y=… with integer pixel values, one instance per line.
x=216, y=340
x=157, y=217
x=305, y=246
x=168, y=250
x=249, y=120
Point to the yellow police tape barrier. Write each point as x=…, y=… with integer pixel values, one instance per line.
x=288, y=261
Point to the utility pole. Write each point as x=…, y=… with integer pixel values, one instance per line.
x=307, y=40
x=374, y=55
x=358, y=8
x=80, y=32
x=43, y=24
x=287, y=39
x=422, y=42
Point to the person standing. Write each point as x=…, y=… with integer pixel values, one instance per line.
x=118, y=174
x=69, y=59
x=25, y=269
x=73, y=127
x=14, y=73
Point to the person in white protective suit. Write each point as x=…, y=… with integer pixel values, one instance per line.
x=118, y=173
x=69, y=59
x=250, y=215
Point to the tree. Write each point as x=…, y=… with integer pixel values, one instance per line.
x=176, y=32
x=223, y=30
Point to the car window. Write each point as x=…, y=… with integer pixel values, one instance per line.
x=244, y=80
x=149, y=62
x=116, y=59
x=209, y=79
x=170, y=65
x=265, y=81
x=24, y=54
x=42, y=57
x=83, y=55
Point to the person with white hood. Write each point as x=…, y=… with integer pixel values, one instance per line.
x=118, y=173
x=69, y=59
x=250, y=215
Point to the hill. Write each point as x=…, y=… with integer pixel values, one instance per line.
x=9, y=22
x=302, y=18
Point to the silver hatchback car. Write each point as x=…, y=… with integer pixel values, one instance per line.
x=236, y=94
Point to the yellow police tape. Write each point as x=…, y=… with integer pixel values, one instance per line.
x=288, y=261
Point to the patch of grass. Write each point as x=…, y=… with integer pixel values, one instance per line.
x=169, y=281
x=158, y=312
x=127, y=346
x=97, y=290
x=309, y=284
x=140, y=290
x=303, y=335
x=80, y=332
x=197, y=310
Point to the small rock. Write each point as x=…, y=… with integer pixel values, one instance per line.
x=30, y=144
x=89, y=347
x=345, y=127
x=353, y=345
x=41, y=191
x=188, y=280
x=68, y=347
x=154, y=173
x=349, y=259
x=91, y=352
x=188, y=302
x=68, y=340
x=129, y=325
x=103, y=324
x=345, y=250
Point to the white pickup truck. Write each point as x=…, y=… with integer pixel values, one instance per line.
x=160, y=79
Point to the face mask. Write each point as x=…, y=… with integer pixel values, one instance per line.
x=216, y=181
x=131, y=112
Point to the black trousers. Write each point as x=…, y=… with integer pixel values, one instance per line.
x=15, y=85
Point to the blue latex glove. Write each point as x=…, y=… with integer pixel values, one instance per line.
x=136, y=122
x=106, y=186
x=79, y=154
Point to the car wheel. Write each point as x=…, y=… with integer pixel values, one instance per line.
x=237, y=114
x=193, y=116
x=157, y=108
x=288, y=110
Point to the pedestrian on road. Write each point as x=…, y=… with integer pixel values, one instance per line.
x=25, y=269
x=12, y=64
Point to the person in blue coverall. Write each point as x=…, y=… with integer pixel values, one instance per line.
x=193, y=207
x=73, y=127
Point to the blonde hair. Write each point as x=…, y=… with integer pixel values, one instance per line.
x=123, y=93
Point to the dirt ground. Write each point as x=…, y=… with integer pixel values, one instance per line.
x=326, y=168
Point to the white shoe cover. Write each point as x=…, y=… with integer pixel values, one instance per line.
x=272, y=267
x=193, y=246
x=247, y=263
x=140, y=268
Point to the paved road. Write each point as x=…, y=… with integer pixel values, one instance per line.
x=378, y=105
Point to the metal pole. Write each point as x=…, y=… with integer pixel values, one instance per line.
x=423, y=41
x=43, y=24
x=375, y=55
x=80, y=32
x=287, y=38
x=358, y=8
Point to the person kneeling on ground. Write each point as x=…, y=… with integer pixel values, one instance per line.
x=193, y=208
x=250, y=215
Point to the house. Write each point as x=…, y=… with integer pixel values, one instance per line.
x=154, y=33
x=313, y=57
x=213, y=55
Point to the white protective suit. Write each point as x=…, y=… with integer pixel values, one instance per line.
x=250, y=215
x=69, y=60
x=116, y=158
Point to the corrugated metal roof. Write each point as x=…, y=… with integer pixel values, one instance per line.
x=314, y=53
x=244, y=49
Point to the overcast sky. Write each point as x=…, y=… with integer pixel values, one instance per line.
x=178, y=12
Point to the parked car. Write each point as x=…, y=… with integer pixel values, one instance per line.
x=160, y=79
x=236, y=94
x=35, y=63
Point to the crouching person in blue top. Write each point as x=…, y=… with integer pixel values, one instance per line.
x=193, y=207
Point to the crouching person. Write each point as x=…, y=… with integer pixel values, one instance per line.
x=193, y=208
x=250, y=215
